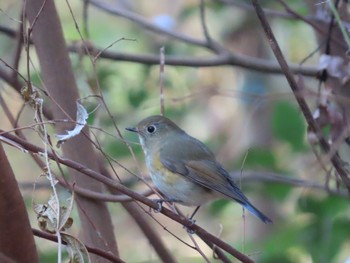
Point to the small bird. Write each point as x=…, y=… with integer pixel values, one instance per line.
x=183, y=168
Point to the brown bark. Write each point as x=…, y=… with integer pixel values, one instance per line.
x=96, y=224
x=16, y=238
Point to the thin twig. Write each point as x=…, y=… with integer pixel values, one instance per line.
x=211, y=44
x=198, y=248
x=18, y=50
x=340, y=23
x=85, y=19
x=161, y=80
x=314, y=25
x=111, y=45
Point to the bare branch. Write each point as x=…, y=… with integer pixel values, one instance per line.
x=247, y=62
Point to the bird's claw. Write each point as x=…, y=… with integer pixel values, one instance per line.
x=189, y=230
x=192, y=222
x=160, y=205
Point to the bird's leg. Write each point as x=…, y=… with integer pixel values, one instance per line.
x=194, y=212
x=190, y=231
x=192, y=220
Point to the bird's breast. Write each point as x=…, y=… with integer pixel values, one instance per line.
x=176, y=186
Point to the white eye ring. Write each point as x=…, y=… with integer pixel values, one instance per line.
x=151, y=129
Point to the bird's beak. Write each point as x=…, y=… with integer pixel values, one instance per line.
x=133, y=129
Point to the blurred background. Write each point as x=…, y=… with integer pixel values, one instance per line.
x=248, y=118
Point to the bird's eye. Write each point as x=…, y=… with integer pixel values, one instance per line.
x=151, y=129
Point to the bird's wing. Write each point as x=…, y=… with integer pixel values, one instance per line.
x=191, y=158
x=196, y=162
x=214, y=176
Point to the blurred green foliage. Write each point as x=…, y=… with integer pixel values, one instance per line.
x=288, y=125
x=320, y=231
x=258, y=158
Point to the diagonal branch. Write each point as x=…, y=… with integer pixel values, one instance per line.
x=313, y=126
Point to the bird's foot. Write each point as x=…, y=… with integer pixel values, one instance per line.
x=188, y=229
x=193, y=221
x=160, y=203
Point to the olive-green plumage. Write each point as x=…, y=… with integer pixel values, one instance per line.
x=183, y=168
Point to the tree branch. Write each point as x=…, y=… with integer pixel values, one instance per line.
x=313, y=126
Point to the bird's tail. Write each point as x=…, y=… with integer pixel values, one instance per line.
x=257, y=213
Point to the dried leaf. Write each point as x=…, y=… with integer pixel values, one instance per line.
x=81, y=118
x=55, y=215
x=47, y=218
x=334, y=65
x=76, y=250
x=66, y=221
x=331, y=115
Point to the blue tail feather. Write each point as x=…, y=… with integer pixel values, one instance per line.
x=257, y=213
